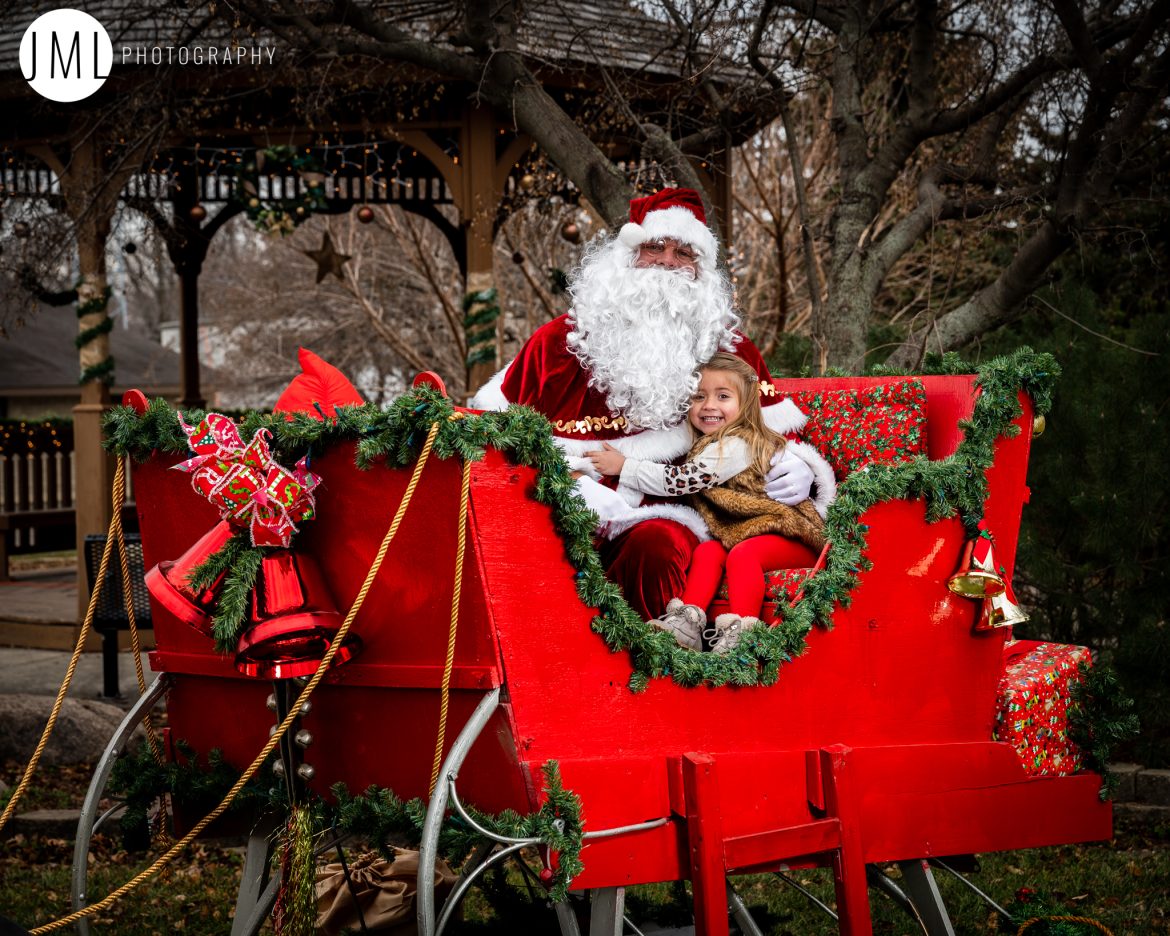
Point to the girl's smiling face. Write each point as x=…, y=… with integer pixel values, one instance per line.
x=715, y=403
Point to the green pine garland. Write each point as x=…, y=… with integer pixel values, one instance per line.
x=1100, y=716
x=86, y=335
x=1044, y=916
x=140, y=780
x=104, y=370
x=382, y=817
x=481, y=310
x=238, y=561
x=954, y=486
x=379, y=816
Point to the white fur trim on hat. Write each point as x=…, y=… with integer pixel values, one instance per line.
x=676, y=222
x=783, y=417
x=632, y=235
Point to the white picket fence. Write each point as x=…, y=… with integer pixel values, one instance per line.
x=37, y=481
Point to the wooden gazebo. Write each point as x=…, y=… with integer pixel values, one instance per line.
x=394, y=136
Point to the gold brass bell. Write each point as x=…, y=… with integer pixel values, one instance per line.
x=1000, y=611
x=973, y=580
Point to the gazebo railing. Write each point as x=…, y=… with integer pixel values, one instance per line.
x=37, y=488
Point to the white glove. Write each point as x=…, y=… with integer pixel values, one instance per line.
x=790, y=479
x=607, y=503
x=582, y=464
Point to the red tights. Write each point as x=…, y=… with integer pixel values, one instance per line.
x=746, y=564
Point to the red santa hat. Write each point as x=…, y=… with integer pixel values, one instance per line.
x=673, y=212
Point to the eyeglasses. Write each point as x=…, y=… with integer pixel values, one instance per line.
x=683, y=252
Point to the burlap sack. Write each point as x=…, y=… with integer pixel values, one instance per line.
x=384, y=890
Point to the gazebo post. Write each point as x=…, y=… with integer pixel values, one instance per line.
x=481, y=201
x=187, y=249
x=90, y=197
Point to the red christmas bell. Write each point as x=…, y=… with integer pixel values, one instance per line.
x=293, y=620
x=168, y=583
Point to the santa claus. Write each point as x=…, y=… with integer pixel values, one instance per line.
x=648, y=307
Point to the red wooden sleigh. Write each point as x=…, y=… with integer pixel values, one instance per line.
x=875, y=746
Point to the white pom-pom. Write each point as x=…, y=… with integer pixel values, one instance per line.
x=632, y=235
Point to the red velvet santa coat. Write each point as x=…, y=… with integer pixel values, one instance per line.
x=547, y=377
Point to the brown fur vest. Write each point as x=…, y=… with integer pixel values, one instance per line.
x=739, y=509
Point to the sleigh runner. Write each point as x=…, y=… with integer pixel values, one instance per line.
x=869, y=742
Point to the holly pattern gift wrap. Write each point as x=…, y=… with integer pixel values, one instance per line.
x=1034, y=696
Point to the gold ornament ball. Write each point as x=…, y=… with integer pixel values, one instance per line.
x=365, y=214
x=21, y=229
x=198, y=212
x=527, y=181
x=1039, y=424
x=571, y=232
x=300, y=211
x=253, y=202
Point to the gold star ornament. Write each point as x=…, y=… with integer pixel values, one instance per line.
x=327, y=258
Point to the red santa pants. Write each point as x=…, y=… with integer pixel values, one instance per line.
x=649, y=561
x=746, y=564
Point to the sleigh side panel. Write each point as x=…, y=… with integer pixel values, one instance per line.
x=376, y=718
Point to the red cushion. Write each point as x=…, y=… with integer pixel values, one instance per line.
x=780, y=591
x=854, y=428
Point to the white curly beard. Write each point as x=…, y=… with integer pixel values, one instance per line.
x=641, y=333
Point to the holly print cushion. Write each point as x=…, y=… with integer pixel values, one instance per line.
x=855, y=428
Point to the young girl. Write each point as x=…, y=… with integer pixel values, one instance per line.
x=724, y=479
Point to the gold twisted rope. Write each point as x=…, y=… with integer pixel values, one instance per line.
x=448, y=665
x=1063, y=919
x=281, y=730
x=131, y=616
x=118, y=496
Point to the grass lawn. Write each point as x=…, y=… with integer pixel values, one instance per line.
x=1124, y=884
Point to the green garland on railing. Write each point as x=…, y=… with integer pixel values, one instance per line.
x=1100, y=716
x=954, y=486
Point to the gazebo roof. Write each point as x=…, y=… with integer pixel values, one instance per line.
x=32, y=358
x=614, y=34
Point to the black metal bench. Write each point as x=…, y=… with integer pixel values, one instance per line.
x=110, y=613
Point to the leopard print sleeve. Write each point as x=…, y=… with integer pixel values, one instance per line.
x=686, y=479
x=712, y=467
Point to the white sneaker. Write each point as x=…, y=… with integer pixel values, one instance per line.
x=684, y=622
x=724, y=636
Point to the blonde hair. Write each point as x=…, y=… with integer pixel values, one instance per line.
x=749, y=425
